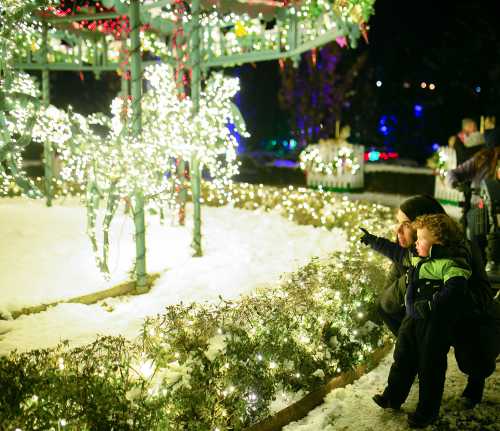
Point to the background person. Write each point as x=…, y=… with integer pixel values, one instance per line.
x=481, y=172
x=468, y=140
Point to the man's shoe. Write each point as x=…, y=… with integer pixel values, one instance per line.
x=416, y=420
x=385, y=403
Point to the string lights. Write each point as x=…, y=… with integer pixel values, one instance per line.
x=338, y=160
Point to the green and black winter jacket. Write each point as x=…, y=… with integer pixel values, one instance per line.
x=440, y=279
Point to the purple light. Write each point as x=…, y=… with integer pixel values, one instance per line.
x=283, y=163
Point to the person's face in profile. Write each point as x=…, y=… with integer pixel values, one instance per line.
x=425, y=240
x=404, y=231
x=469, y=128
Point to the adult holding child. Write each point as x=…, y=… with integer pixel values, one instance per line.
x=473, y=330
x=436, y=298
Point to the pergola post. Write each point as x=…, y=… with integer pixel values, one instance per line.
x=179, y=48
x=123, y=65
x=195, y=97
x=136, y=93
x=48, y=153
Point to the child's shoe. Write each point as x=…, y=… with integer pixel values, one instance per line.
x=385, y=402
x=417, y=420
x=473, y=392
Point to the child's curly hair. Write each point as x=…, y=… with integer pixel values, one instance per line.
x=446, y=230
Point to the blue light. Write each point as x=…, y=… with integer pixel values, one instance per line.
x=232, y=130
x=435, y=146
x=418, y=110
x=478, y=89
x=387, y=124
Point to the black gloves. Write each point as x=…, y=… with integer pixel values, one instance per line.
x=367, y=237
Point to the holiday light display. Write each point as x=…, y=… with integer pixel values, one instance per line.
x=217, y=366
x=112, y=168
x=214, y=367
x=234, y=32
x=298, y=27
x=342, y=161
x=18, y=120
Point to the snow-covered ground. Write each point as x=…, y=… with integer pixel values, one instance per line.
x=352, y=409
x=46, y=256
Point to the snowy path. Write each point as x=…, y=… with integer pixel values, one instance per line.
x=46, y=256
x=352, y=409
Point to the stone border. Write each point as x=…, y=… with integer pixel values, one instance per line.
x=125, y=288
x=301, y=408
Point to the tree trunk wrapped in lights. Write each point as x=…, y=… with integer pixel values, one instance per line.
x=195, y=96
x=136, y=93
x=47, y=146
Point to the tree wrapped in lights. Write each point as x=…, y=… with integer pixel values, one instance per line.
x=25, y=120
x=318, y=90
x=115, y=168
x=207, y=138
x=19, y=102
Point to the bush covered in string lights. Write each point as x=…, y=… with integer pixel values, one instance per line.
x=301, y=205
x=203, y=367
x=208, y=367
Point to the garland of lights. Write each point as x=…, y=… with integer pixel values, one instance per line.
x=338, y=159
x=222, y=34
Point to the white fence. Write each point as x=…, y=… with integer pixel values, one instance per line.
x=442, y=191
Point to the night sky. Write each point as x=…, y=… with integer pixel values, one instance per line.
x=454, y=45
